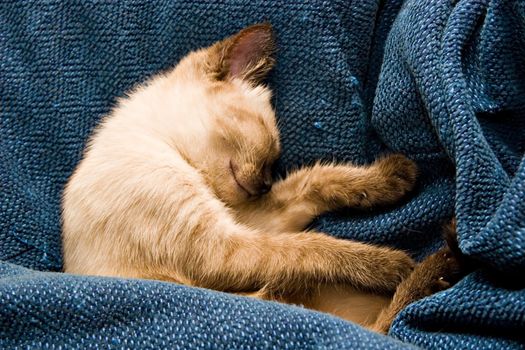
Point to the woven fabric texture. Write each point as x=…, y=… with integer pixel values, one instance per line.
x=441, y=81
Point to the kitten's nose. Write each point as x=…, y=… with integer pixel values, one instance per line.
x=265, y=184
x=257, y=188
x=265, y=187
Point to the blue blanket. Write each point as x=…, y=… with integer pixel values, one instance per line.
x=441, y=81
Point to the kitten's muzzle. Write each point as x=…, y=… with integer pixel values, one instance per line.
x=255, y=186
x=265, y=187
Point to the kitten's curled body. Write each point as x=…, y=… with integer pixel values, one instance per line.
x=173, y=183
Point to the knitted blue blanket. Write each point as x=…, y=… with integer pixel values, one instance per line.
x=441, y=81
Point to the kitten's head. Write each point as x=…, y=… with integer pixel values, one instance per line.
x=237, y=140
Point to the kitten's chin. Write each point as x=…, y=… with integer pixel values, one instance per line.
x=233, y=195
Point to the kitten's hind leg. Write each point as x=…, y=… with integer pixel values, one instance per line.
x=437, y=272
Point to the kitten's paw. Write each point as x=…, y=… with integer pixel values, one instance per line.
x=391, y=268
x=400, y=267
x=398, y=176
x=437, y=272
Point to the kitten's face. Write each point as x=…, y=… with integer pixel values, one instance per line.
x=244, y=141
x=240, y=140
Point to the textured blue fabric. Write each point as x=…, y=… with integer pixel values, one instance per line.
x=441, y=81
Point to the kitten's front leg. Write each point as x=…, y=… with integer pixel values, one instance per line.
x=295, y=201
x=206, y=247
x=291, y=263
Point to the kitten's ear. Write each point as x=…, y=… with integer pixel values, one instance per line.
x=247, y=55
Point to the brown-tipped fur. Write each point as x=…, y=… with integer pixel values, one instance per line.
x=437, y=272
x=170, y=188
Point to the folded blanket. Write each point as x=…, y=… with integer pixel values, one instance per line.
x=441, y=81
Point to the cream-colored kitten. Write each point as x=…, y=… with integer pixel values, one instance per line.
x=176, y=185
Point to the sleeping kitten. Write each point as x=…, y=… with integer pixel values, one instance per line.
x=176, y=185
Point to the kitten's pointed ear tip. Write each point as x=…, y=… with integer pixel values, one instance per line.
x=263, y=26
x=247, y=55
x=264, y=29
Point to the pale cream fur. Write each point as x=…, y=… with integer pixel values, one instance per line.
x=170, y=188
